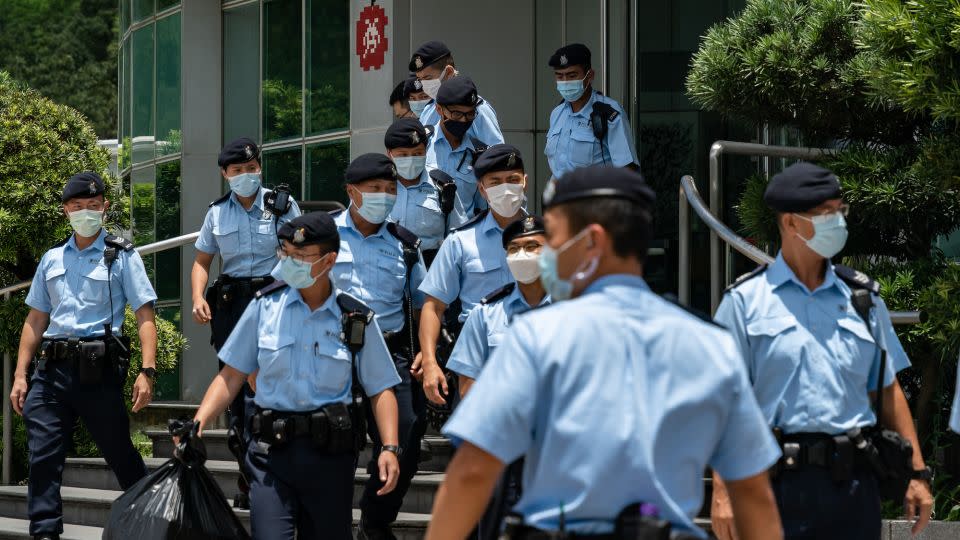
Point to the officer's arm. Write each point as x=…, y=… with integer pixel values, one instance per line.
x=755, y=508
x=387, y=417
x=33, y=328
x=465, y=383
x=430, y=321
x=199, y=275
x=147, y=329
x=224, y=387
x=463, y=496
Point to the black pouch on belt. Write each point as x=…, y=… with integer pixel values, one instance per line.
x=91, y=362
x=320, y=430
x=841, y=465
x=341, y=428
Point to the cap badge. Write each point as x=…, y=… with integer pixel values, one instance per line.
x=418, y=62
x=473, y=97
x=563, y=60
x=93, y=187
x=248, y=151
x=512, y=160
x=417, y=85
x=298, y=236
x=414, y=138
x=550, y=191
x=528, y=224
x=393, y=169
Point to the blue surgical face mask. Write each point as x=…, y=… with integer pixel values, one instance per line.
x=297, y=273
x=557, y=287
x=376, y=206
x=418, y=105
x=410, y=167
x=245, y=184
x=829, y=234
x=571, y=90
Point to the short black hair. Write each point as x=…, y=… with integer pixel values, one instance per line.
x=629, y=224
x=445, y=61
x=398, y=95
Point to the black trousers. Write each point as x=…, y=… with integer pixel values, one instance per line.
x=814, y=507
x=53, y=404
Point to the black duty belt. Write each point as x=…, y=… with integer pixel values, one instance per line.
x=58, y=349
x=837, y=453
x=329, y=428
x=529, y=533
x=245, y=286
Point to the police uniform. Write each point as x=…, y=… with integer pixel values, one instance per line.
x=458, y=162
x=485, y=128
x=82, y=292
x=614, y=398
x=955, y=412
x=812, y=360
x=418, y=206
x=571, y=140
x=303, y=485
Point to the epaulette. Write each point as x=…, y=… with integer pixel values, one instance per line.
x=351, y=304
x=270, y=289
x=405, y=235
x=498, y=294
x=856, y=278
x=118, y=242
x=746, y=277
x=337, y=212
x=479, y=146
x=695, y=312
x=220, y=200
x=605, y=110
x=472, y=221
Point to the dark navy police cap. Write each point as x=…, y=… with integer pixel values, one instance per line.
x=459, y=90
x=428, y=54
x=575, y=54
x=83, y=186
x=527, y=226
x=800, y=187
x=499, y=157
x=411, y=85
x=311, y=228
x=406, y=133
x=370, y=166
x=240, y=150
x=596, y=182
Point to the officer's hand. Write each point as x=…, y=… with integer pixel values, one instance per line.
x=416, y=368
x=252, y=381
x=389, y=471
x=433, y=382
x=201, y=311
x=721, y=517
x=142, y=392
x=18, y=394
x=919, y=504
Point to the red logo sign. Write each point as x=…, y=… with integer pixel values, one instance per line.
x=372, y=37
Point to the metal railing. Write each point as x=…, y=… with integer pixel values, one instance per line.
x=690, y=197
x=7, y=293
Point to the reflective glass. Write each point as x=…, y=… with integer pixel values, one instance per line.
x=283, y=166
x=125, y=84
x=142, y=208
x=168, y=85
x=325, y=166
x=241, y=61
x=168, y=226
x=142, y=103
x=164, y=4
x=142, y=9
x=282, y=70
x=328, y=66
x=167, y=385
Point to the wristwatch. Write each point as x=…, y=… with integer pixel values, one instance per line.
x=925, y=473
x=391, y=448
x=149, y=372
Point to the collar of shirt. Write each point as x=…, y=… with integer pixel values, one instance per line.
x=293, y=295
x=97, y=244
x=346, y=220
x=515, y=302
x=257, y=203
x=779, y=273
x=489, y=224
x=613, y=280
x=465, y=144
x=587, y=107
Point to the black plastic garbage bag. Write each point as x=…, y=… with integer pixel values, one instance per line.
x=180, y=500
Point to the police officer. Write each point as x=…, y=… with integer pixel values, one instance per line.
x=418, y=198
x=399, y=102
x=77, y=301
x=955, y=412
x=432, y=63
x=617, y=398
x=586, y=128
x=452, y=151
x=242, y=227
x=298, y=335
x=416, y=97
x=471, y=261
x=379, y=263
x=813, y=363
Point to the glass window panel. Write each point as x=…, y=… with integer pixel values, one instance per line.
x=328, y=66
x=325, y=166
x=164, y=4
x=123, y=149
x=142, y=9
x=241, y=61
x=168, y=226
x=142, y=206
x=142, y=101
x=168, y=85
x=124, y=16
x=282, y=70
x=283, y=166
x=167, y=385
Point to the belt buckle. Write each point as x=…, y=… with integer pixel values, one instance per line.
x=792, y=455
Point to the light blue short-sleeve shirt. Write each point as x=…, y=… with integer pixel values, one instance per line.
x=74, y=287
x=471, y=263
x=304, y=364
x=613, y=398
x=458, y=163
x=372, y=269
x=955, y=413
x=485, y=127
x=571, y=143
x=810, y=357
x=418, y=209
x=484, y=330
x=245, y=239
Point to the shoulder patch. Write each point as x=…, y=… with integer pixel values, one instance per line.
x=695, y=312
x=856, y=278
x=406, y=236
x=277, y=285
x=472, y=221
x=498, y=294
x=351, y=304
x=746, y=277
x=118, y=242
x=221, y=199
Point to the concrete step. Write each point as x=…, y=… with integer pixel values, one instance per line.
x=93, y=473
x=159, y=412
x=86, y=510
x=215, y=441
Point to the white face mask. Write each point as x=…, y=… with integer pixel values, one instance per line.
x=505, y=199
x=86, y=223
x=431, y=87
x=524, y=266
